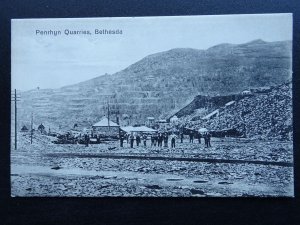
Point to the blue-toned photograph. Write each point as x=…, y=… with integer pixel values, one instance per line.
x=172, y=106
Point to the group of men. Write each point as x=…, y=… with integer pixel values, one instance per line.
x=162, y=139
x=157, y=139
x=207, y=137
x=197, y=135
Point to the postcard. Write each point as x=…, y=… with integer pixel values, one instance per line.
x=173, y=106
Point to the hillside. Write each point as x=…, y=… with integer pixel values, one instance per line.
x=161, y=84
x=261, y=115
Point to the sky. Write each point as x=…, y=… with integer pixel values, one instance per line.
x=48, y=61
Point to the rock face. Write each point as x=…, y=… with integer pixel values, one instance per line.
x=206, y=104
x=161, y=84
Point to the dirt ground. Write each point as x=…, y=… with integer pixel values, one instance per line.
x=231, y=167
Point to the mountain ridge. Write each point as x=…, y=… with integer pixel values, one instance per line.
x=164, y=82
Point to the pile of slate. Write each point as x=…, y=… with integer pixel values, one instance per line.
x=262, y=116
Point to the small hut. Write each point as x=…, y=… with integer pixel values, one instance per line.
x=150, y=121
x=41, y=128
x=106, y=128
x=24, y=129
x=203, y=130
x=162, y=124
x=174, y=119
x=246, y=92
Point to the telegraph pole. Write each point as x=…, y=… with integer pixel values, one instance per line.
x=15, y=99
x=108, y=115
x=15, y=119
x=31, y=130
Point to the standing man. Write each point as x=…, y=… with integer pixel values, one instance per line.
x=138, y=139
x=87, y=140
x=181, y=137
x=160, y=139
x=155, y=139
x=173, y=138
x=191, y=137
x=121, y=139
x=166, y=140
x=145, y=140
x=152, y=140
x=208, y=139
x=199, y=137
x=131, y=138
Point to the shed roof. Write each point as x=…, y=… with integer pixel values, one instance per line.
x=24, y=128
x=137, y=129
x=210, y=115
x=104, y=122
x=229, y=103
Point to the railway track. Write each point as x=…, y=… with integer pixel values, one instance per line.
x=168, y=158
